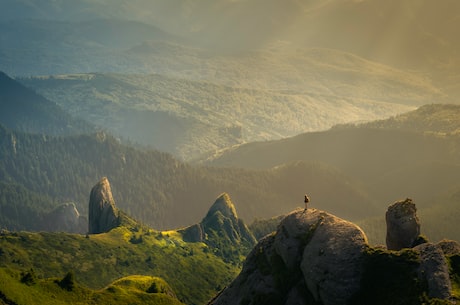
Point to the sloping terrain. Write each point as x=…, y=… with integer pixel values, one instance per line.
x=23, y=109
x=414, y=155
x=152, y=186
x=190, y=118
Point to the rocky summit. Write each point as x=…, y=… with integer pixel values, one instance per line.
x=222, y=229
x=317, y=258
x=313, y=257
x=103, y=214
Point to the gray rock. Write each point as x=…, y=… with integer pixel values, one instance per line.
x=294, y=232
x=403, y=225
x=103, y=214
x=449, y=247
x=66, y=218
x=312, y=255
x=332, y=260
x=223, y=220
x=255, y=282
x=434, y=271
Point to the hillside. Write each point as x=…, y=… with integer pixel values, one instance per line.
x=262, y=97
x=415, y=36
x=99, y=260
x=19, y=289
x=41, y=172
x=23, y=109
x=413, y=155
x=196, y=262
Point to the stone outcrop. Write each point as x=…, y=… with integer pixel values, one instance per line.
x=66, y=218
x=103, y=214
x=403, y=225
x=317, y=258
x=313, y=257
x=434, y=271
x=221, y=228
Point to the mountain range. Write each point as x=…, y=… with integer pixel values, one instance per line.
x=370, y=164
x=418, y=36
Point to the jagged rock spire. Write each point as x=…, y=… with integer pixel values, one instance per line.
x=103, y=214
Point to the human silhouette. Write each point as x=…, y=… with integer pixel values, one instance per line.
x=306, y=200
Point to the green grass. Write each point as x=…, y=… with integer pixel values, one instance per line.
x=128, y=290
x=192, y=271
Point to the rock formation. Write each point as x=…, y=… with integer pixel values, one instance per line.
x=313, y=257
x=103, y=215
x=221, y=228
x=317, y=258
x=66, y=218
x=434, y=271
x=403, y=225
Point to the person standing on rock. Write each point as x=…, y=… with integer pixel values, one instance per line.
x=306, y=200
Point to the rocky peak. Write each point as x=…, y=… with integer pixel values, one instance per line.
x=222, y=229
x=223, y=205
x=103, y=214
x=314, y=257
x=403, y=225
x=317, y=258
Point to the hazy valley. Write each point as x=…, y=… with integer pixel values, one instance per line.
x=209, y=121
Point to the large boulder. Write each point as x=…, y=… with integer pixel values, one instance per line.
x=332, y=260
x=103, y=214
x=403, y=225
x=314, y=257
x=317, y=258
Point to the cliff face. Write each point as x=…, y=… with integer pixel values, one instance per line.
x=103, y=214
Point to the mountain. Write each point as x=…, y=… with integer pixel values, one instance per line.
x=130, y=263
x=414, y=35
x=23, y=109
x=222, y=230
x=40, y=173
x=412, y=155
x=189, y=118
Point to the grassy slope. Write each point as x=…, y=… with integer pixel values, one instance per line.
x=193, y=271
x=132, y=290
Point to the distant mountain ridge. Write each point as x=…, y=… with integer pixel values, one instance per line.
x=152, y=186
x=191, y=118
x=24, y=110
x=411, y=155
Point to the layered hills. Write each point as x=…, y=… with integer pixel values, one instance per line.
x=40, y=172
x=416, y=36
x=313, y=257
x=411, y=155
x=23, y=109
x=220, y=102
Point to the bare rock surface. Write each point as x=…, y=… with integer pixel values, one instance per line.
x=332, y=260
x=403, y=225
x=434, y=271
x=103, y=214
x=309, y=255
